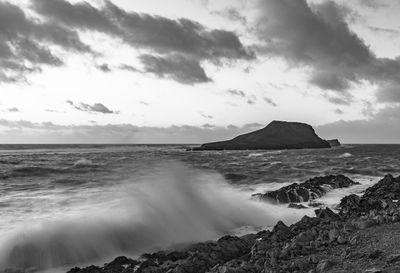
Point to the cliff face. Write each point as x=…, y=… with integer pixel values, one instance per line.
x=334, y=142
x=276, y=135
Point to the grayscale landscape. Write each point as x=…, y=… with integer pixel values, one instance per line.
x=198, y=136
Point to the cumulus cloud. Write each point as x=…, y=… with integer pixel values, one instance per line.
x=104, y=67
x=177, y=67
x=24, y=43
x=236, y=92
x=187, y=40
x=375, y=4
x=317, y=36
x=339, y=111
x=95, y=108
x=13, y=109
x=387, y=31
x=250, y=99
x=232, y=14
x=47, y=132
x=382, y=127
x=340, y=100
x=204, y=115
x=270, y=101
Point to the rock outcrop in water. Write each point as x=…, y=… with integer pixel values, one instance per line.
x=276, y=135
x=334, y=142
x=311, y=189
x=363, y=236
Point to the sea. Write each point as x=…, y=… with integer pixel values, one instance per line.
x=75, y=205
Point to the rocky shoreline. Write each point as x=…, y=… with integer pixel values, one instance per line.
x=362, y=236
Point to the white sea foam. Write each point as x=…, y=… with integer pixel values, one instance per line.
x=345, y=155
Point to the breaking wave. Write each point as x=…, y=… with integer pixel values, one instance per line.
x=345, y=155
x=175, y=205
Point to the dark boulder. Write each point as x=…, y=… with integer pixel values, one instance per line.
x=309, y=190
x=296, y=206
x=276, y=135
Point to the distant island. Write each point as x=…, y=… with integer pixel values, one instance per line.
x=275, y=136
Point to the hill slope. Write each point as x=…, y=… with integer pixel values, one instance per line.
x=276, y=135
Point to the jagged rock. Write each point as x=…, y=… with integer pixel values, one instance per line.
x=89, y=269
x=296, y=206
x=349, y=203
x=276, y=135
x=326, y=214
x=323, y=266
x=377, y=197
x=309, y=190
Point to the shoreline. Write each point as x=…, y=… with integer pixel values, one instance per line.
x=362, y=236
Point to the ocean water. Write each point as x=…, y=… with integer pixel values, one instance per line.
x=67, y=205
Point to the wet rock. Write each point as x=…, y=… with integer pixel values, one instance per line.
x=363, y=223
x=394, y=258
x=309, y=190
x=375, y=254
x=333, y=235
x=90, y=269
x=379, y=196
x=341, y=239
x=327, y=214
x=349, y=203
x=296, y=206
x=374, y=270
x=324, y=265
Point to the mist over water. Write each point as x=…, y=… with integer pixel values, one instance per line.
x=175, y=205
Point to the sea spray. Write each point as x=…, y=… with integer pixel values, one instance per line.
x=175, y=205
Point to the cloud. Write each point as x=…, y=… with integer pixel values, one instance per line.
x=388, y=31
x=104, y=67
x=232, y=14
x=317, y=36
x=95, y=108
x=206, y=116
x=25, y=41
x=340, y=100
x=144, y=103
x=270, y=101
x=389, y=93
x=129, y=68
x=250, y=99
x=236, y=92
x=339, y=111
x=374, y=4
x=178, y=68
x=28, y=132
x=382, y=127
x=175, y=42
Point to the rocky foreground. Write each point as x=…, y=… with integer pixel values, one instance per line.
x=363, y=236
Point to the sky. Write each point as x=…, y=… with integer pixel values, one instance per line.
x=194, y=71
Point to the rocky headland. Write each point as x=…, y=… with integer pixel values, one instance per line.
x=362, y=235
x=276, y=135
x=334, y=142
